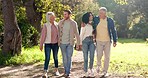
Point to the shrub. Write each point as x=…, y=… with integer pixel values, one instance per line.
x=28, y=33
x=139, y=30
x=1, y=32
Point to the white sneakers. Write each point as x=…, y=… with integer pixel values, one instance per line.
x=90, y=73
x=45, y=74
x=86, y=74
x=57, y=73
x=104, y=74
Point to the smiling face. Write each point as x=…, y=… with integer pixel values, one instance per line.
x=52, y=18
x=102, y=13
x=66, y=15
x=90, y=17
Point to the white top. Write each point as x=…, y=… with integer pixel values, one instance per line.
x=85, y=32
x=48, y=34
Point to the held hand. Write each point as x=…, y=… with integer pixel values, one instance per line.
x=80, y=46
x=94, y=40
x=77, y=47
x=41, y=47
x=114, y=44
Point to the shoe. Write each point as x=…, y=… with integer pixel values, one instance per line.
x=67, y=76
x=91, y=73
x=45, y=74
x=98, y=70
x=105, y=74
x=64, y=75
x=57, y=73
x=86, y=74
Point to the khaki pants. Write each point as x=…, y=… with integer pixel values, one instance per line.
x=103, y=47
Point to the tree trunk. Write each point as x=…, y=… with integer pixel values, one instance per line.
x=12, y=34
x=33, y=16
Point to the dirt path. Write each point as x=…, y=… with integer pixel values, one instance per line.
x=35, y=70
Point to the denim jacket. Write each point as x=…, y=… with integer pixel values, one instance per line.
x=111, y=27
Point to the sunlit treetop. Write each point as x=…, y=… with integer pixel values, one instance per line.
x=121, y=2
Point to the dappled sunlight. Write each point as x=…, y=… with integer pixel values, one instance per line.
x=25, y=27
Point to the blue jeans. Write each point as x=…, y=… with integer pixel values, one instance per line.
x=67, y=51
x=88, y=47
x=48, y=48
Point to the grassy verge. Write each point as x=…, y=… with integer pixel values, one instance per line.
x=29, y=55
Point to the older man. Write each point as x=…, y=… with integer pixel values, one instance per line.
x=105, y=31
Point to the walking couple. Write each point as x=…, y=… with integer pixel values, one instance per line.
x=99, y=30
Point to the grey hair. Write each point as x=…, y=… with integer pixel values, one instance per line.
x=48, y=15
x=103, y=8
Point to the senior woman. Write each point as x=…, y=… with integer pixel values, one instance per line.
x=49, y=37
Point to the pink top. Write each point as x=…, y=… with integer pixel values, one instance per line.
x=54, y=34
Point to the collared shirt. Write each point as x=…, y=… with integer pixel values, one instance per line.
x=102, y=31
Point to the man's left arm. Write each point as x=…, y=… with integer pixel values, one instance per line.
x=76, y=32
x=114, y=33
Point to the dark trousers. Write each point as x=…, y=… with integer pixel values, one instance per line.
x=48, y=48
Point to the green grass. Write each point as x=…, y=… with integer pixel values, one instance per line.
x=130, y=56
x=28, y=55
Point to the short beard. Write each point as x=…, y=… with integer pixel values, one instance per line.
x=67, y=18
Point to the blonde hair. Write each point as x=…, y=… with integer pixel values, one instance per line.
x=48, y=15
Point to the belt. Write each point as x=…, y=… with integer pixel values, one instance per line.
x=91, y=37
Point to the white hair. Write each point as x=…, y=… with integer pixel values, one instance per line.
x=48, y=15
x=103, y=8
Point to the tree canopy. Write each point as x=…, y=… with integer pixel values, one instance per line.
x=130, y=16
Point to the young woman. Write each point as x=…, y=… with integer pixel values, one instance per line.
x=88, y=47
x=49, y=37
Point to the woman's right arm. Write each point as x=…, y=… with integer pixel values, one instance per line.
x=82, y=32
x=43, y=37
